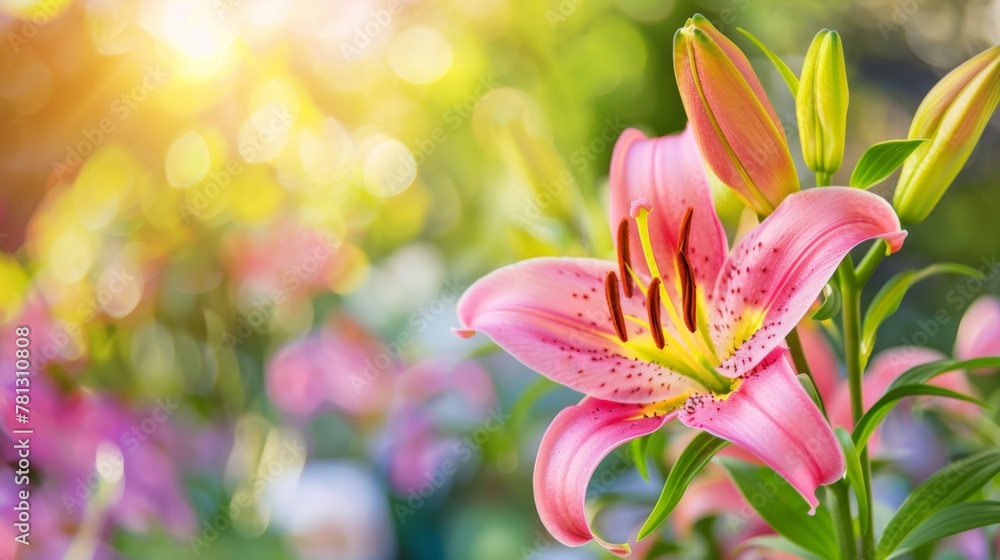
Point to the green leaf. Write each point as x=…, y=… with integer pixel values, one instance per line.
x=880, y=160
x=854, y=474
x=790, y=78
x=638, y=448
x=783, y=508
x=869, y=422
x=831, y=304
x=810, y=387
x=519, y=412
x=705, y=530
x=925, y=372
x=954, y=483
x=916, y=376
x=662, y=548
x=780, y=544
x=695, y=456
x=539, y=388
x=888, y=299
x=950, y=521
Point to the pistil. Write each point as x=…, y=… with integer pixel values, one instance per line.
x=640, y=211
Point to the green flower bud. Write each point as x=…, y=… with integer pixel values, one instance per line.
x=821, y=103
x=952, y=117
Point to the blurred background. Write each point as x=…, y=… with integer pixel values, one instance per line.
x=237, y=230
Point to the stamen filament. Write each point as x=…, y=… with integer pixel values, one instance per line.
x=669, y=340
x=615, y=306
x=688, y=364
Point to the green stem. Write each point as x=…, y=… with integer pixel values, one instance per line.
x=871, y=261
x=799, y=357
x=844, y=527
x=851, y=299
x=851, y=292
x=822, y=179
x=798, y=354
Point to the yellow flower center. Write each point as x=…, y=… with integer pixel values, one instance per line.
x=687, y=347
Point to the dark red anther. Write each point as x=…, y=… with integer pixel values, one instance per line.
x=615, y=306
x=624, y=257
x=653, y=307
x=685, y=233
x=688, y=295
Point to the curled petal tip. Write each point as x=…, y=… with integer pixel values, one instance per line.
x=464, y=332
x=619, y=550
x=895, y=241
x=579, y=438
x=638, y=205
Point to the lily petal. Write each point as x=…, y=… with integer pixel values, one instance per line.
x=776, y=271
x=668, y=172
x=979, y=331
x=552, y=315
x=576, y=442
x=771, y=416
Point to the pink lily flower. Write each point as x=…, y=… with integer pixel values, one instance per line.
x=689, y=330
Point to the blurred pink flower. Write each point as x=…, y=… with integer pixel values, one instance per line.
x=52, y=342
x=340, y=366
x=67, y=459
x=436, y=404
x=462, y=383
x=8, y=499
x=979, y=331
x=288, y=258
x=416, y=454
x=420, y=412
x=50, y=533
